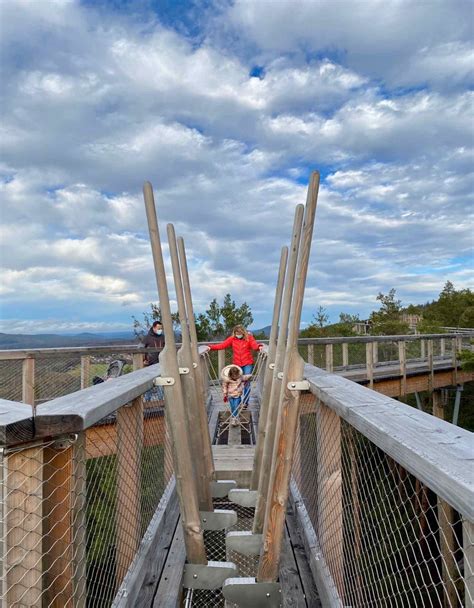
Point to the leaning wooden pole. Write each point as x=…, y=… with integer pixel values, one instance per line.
x=272, y=414
x=268, y=378
x=202, y=394
x=175, y=413
x=188, y=382
x=289, y=409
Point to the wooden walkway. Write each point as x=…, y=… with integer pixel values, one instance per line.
x=235, y=461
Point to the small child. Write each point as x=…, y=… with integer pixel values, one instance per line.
x=233, y=383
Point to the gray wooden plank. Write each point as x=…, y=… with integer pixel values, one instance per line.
x=437, y=453
x=310, y=590
x=169, y=591
x=291, y=587
x=80, y=410
x=16, y=422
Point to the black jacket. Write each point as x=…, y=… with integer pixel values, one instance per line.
x=153, y=341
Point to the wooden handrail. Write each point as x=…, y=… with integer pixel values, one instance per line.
x=442, y=461
x=134, y=348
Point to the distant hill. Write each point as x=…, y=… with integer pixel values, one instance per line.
x=265, y=330
x=24, y=341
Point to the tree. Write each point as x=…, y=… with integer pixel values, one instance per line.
x=216, y=322
x=387, y=320
x=321, y=317
x=454, y=308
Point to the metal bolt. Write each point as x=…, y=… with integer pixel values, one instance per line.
x=204, y=520
x=168, y=380
x=293, y=385
x=195, y=575
x=268, y=595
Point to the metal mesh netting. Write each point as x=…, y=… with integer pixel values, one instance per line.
x=74, y=513
x=11, y=379
x=386, y=539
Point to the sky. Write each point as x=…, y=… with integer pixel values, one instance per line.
x=226, y=107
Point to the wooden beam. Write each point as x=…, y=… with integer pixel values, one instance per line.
x=174, y=402
x=201, y=382
x=345, y=355
x=85, y=371
x=402, y=355
x=57, y=531
x=468, y=551
x=369, y=363
x=329, y=358
x=192, y=394
x=23, y=529
x=268, y=375
x=276, y=388
x=28, y=381
x=220, y=361
x=311, y=354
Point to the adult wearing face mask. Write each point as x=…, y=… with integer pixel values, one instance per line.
x=242, y=343
x=154, y=339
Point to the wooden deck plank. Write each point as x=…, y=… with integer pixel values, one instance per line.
x=310, y=590
x=169, y=591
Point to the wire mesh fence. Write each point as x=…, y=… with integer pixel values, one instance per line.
x=11, y=379
x=385, y=538
x=75, y=509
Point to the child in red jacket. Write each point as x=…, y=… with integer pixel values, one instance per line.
x=242, y=343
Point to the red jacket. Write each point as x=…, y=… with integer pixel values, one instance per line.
x=242, y=349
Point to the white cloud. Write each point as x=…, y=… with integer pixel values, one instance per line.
x=97, y=102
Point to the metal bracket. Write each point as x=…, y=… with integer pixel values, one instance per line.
x=222, y=487
x=62, y=443
x=160, y=381
x=301, y=385
x=208, y=576
x=243, y=497
x=247, y=593
x=219, y=519
x=244, y=542
x=183, y=371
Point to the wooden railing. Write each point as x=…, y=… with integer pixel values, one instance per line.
x=38, y=375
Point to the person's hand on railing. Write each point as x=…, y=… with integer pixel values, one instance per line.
x=203, y=349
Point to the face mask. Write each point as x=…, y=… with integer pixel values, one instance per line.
x=158, y=332
x=239, y=336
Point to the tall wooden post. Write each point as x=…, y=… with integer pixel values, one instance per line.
x=201, y=387
x=23, y=498
x=423, y=349
x=345, y=355
x=446, y=527
x=191, y=391
x=28, y=381
x=329, y=358
x=287, y=421
x=468, y=551
x=375, y=353
x=402, y=356
x=442, y=347
x=23, y=529
x=268, y=377
x=79, y=522
x=85, y=371
x=430, y=365
x=369, y=362
x=311, y=354
x=273, y=407
x=175, y=412
x=220, y=361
